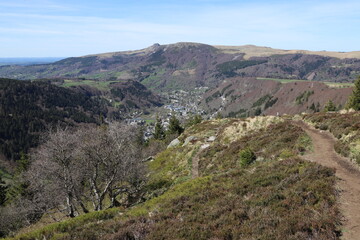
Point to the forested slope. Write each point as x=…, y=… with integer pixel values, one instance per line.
x=28, y=108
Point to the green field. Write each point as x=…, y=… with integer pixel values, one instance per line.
x=330, y=84
x=339, y=85
x=281, y=80
x=101, y=85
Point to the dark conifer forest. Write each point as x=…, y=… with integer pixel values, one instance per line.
x=28, y=108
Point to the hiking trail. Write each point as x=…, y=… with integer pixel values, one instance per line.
x=348, y=178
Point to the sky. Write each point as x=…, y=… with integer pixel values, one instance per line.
x=64, y=28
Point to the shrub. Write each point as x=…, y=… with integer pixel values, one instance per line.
x=354, y=99
x=330, y=106
x=323, y=127
x=303, y=97
x=247, y=156
x=257, y=112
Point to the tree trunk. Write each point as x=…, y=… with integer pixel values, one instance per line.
x=113, y=201
x=70, y=207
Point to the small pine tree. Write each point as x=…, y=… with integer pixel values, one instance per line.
x=315, y=108
x=23, y=163
x=330, y=106
x=219, y=116
x=159, y=133
x=354, y=99
x=247, y=156
x=174, y=126
x=140, y=136
x=3, y=189
x=197, y=119
x=312, y=107
x=194, y=120
x=18, y=186
x=257, y=112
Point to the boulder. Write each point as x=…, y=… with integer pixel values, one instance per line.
x=211, y=139
x=205, y=146
x=174, y=143
x=188, y=140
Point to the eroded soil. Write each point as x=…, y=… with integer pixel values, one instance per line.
x=348, y=175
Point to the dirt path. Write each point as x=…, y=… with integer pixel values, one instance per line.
x=195, y=167
x=349, y=178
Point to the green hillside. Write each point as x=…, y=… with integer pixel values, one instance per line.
x=225, y=179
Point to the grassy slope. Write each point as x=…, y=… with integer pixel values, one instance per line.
x=101, y=85
x=330, y=84
x=277, y=197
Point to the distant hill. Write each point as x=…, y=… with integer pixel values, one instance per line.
x=124, y=95
x=241, y=97
x=189, y=65
x=28, y=61
x=28, y=108
x=132, y=94
x=257, y=51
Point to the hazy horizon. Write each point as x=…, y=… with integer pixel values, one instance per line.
x=62, y=57
x=52, y=28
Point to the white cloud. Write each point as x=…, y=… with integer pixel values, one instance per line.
x=299, y=24
x=36, y=5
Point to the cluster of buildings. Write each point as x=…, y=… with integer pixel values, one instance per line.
x=181, y=103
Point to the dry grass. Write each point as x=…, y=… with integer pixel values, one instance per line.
x=257, y=51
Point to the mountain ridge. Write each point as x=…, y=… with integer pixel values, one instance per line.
x=250, y=50
x=188, y=65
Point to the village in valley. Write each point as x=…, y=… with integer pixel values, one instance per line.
x=184, y=104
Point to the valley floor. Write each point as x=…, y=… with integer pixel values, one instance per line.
x=348, y=178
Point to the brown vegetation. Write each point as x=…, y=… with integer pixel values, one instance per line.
x=241, y=97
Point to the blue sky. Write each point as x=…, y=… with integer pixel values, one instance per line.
x=54, y=28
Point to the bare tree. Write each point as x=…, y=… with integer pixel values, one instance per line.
x=56, y=171
x=131, y=170
x=73, y=168
x=112, y=159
